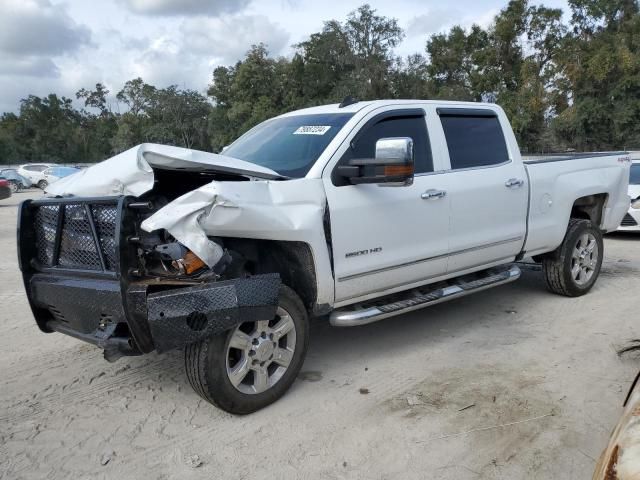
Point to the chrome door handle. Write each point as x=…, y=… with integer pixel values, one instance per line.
x=433, y=194
x=514, y=183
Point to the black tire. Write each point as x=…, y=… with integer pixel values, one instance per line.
x=14, y=187
x=206, y=364
x=557, y=266
x=42, y=184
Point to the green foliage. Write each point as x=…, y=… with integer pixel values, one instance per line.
x=572, y=84
x=600, y=61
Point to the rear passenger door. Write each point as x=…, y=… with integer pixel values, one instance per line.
x=488, y=190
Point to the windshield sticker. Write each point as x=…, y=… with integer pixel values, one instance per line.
x=312, y=130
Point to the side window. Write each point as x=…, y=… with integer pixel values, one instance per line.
x=474, y=141
x=409, y=126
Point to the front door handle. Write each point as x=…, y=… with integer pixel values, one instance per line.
x=514, y=183
x=433, y=194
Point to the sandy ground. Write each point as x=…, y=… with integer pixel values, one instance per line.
x=538, y=373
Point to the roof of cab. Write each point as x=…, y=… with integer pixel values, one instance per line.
x=372, y=104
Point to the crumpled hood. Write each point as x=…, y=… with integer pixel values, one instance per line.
x=131, y=172
x=275, y=210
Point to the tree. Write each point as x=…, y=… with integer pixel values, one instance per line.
x=48, y=129
x=178, y=117
x=601, y=69
x=372, y=39
x=458, y=63
x=563, y=84
x=95, y=98
x=136, y=95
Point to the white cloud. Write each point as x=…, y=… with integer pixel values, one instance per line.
x=227, y=39
x=186, y=56
x=63, y=45
x=36, y=27
x=35, y=35
x=433, y=21
x=20, y=65
x=185, y=7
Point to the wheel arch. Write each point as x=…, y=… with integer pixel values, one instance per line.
x=293, y=260
x=590, y=207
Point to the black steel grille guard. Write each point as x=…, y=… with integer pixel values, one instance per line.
x=80, y=235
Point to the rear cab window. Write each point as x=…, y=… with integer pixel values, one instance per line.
x=634, y=174
x=474, y=137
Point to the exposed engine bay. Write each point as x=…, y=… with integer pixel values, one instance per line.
x=202, y=217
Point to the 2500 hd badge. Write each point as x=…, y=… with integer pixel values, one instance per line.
x=359, y=253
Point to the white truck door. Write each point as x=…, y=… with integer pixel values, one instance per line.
x=385, y=238
x=488, y=189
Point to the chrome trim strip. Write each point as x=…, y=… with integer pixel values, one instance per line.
x=425, y=281
x=393, y=267
x=487, y=245
x=352, y=318
x=468, y=169
x=428, y=259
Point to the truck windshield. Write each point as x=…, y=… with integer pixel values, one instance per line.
x=288, y=145
x=634, y=175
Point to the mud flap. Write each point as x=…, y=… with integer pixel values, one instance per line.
x=187, y=315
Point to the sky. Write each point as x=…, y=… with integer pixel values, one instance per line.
x=61, y=46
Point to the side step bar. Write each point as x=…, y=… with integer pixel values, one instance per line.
x=372, y=311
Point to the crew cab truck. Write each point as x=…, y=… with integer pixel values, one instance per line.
x=353, y=212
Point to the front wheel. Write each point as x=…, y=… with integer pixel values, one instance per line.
x=573, y=268
x=253, y=365
x=42, y=184
x=14, y=187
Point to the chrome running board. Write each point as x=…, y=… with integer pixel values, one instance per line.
x=399, y=303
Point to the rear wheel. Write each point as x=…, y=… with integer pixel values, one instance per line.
x=573, y=268
x=251, y=366
x=14, y=187
x=42, y=184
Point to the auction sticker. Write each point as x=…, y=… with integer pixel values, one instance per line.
x=312, y=130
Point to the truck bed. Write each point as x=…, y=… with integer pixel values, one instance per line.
x=556, y=181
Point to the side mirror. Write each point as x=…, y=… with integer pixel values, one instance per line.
x=392, y=165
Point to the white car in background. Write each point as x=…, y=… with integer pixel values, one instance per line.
x=53, y=174
x=35, y=173
x=631, y=221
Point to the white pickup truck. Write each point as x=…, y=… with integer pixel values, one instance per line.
x=353, y=212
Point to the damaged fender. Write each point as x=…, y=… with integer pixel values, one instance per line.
x=291, y=210
x=265, y=208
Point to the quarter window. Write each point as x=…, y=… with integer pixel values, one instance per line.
x=474, y=141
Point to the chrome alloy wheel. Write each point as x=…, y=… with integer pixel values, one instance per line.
x=259, y=353
x=584, y=259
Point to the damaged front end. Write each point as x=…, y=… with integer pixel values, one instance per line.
x=91, y=271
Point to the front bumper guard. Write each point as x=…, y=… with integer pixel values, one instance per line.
x=176, y=317
x=108, y=308
x=187, y=315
